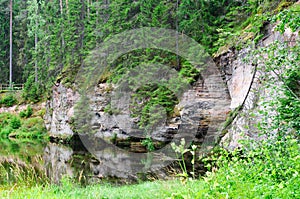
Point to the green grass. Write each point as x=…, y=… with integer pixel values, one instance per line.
x=270, y=171
x=157, y=189
x=235, y=182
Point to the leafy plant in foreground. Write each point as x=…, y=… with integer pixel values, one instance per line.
x=180, y=151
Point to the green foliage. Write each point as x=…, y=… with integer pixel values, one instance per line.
x=148, y=143
x=65, y=37
x=245, y=22
x=56, y=38
x=4, y=117
x=148, y=100
x=14, y=171
x=8, y=100
x=267, y=168
x=151, y=97
x=13, y=126
x=259, y=173
x=33, y=91
x=269, y=171
x=19, y=147
x=282, y=63
x=157, y=189
x=5, y=131
x=135, y=58
x=32, y=128
x=288, y=19
x=15, y=122
x=180, y=151
x=26, y=113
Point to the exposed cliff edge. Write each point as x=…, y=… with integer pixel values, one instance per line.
x=246, y=90
x=207, y=102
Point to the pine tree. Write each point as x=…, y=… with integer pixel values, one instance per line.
x=4, y=41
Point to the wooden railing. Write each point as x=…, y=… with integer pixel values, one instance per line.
x=13, y=87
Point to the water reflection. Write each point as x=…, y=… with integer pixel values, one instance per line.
x=24, y=148
x=19, y=159
x=125, y=163
x=73, y=160
x=57, y=159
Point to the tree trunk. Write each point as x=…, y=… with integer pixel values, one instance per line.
x=88, y=9
x=36, y=63
x=35, y=45
x=177, y=29
x=67, y=7
x=10, y=44
x=61, y=6
x=62, y=36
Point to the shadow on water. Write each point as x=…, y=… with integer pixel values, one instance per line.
x=108, y=165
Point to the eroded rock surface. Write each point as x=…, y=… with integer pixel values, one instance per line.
x=246, y=89
x=60, y=112
x=200, y=112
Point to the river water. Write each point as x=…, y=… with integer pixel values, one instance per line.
x=56, y=159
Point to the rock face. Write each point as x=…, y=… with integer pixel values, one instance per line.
x=60, y=110
x=199, y=113
x=244, y=85
x=116, y=139
x=198, y=116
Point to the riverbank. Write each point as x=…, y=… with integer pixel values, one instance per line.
x=219, y=185
x=272, y=171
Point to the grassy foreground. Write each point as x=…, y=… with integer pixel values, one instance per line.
x=216, y=186
x=262, y=173
x=271, y=170
x=157, y=189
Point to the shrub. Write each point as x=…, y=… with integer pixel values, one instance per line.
x=26, y=113
x=8, y=100
x=11, y=125
x=34, y=124
x=33, y=91
x=4, y=118
x=15, y=123
x=5, y=131
x=22, y=114
x=29, y=111
x=271, y=170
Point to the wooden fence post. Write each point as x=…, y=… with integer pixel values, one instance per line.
x=14, y=87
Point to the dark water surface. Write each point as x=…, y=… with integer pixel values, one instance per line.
x=56, y=159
